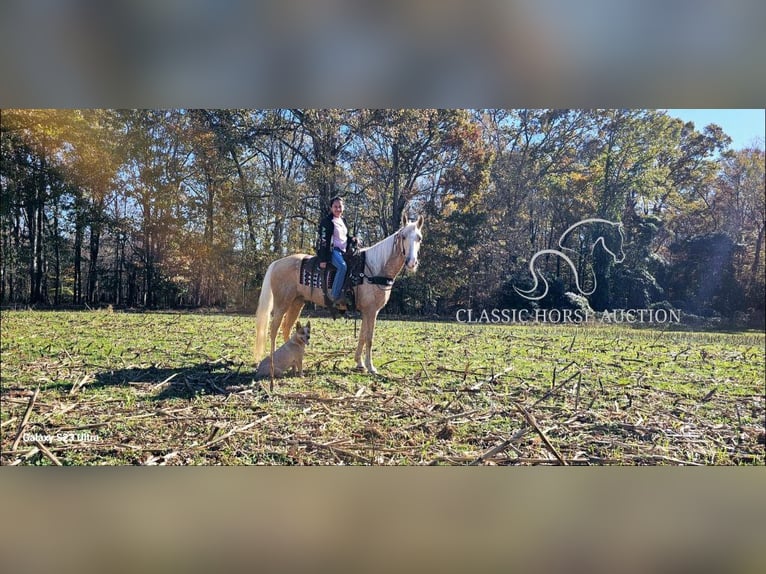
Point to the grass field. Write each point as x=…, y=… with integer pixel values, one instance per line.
x=112, y=388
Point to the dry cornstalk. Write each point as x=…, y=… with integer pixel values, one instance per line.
x=9, y=421
x=489, y=380
x=48, y=453
x=332, y=449
x=557, y=387
x=166, y=381
x=531, y=420
x=24, y=420
x=78, y=385
x=229, y=434
x=500, y=447
x=26, y=456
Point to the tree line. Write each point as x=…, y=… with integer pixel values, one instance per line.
x=187, y=207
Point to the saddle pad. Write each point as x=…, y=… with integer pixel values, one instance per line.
x=312, y=276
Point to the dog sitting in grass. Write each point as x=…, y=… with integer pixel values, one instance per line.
x=289, y=356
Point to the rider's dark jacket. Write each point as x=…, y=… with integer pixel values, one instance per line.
x=324, y=244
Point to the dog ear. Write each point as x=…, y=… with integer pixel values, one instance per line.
x=298, y=326
x=308, y=324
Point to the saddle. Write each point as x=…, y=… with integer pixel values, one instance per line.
x=314, y=276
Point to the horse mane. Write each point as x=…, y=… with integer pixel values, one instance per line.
x=377, y=255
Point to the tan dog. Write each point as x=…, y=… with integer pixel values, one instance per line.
x=288, y=356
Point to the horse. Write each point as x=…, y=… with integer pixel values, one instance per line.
x=613, y=248
x=283, y=296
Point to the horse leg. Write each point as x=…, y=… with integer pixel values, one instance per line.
x=276, y=321
x=370, y=331
x=365, y=342
x=293, y=312
x=362, y=339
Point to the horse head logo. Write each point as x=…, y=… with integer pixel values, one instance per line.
x=611, y=242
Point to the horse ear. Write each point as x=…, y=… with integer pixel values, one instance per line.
x=421, y=220
x=404, y=218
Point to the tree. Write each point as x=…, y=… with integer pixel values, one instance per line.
x=155, y=168
x=34, y=143
x=738, y=205
x=399, y=147
x=703, y=277
x=330, y=133
x=92, y=161
x=451, y=189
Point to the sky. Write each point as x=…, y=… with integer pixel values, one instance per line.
x=741, y=125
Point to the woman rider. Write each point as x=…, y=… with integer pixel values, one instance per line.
x=333, y=241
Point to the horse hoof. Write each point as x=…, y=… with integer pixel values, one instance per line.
x=359, y=368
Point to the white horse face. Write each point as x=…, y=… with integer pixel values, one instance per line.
x=411, y=237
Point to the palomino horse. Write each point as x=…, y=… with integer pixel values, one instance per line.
x=283, y=293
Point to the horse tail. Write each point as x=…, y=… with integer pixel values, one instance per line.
x=265, y=304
